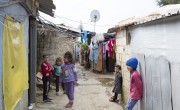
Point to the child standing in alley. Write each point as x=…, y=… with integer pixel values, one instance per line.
x=117, y=84
x=56, y=74
x=46, y=71
x=68, y=77
x=136, y=85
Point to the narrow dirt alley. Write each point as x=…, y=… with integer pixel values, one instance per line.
x=92, y=93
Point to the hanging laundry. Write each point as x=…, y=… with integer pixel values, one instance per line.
x=99, y=63
x=104, y=51
x=114, y=51
x=91, y=51
x=95, y=52
x=110, y=47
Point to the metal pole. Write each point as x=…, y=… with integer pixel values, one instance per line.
x=32, y=60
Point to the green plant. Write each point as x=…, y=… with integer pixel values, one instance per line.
x=167, y=2
x=84, y=47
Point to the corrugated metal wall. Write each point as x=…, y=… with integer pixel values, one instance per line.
x=20, y=14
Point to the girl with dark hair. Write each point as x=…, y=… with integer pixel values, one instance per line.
x=68, y=77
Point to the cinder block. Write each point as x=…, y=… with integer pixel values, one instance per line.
x=120, y=49
x=128, y=49
x=121, y=41
x=119, y=34
x=123, y=57
x=127, y=57
x=125, y=94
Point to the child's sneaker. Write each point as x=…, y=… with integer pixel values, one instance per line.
x=68, y=105
x=57, y=94
x=111, y=100
x=30, y=107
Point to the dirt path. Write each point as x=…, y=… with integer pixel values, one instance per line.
x=92, y=93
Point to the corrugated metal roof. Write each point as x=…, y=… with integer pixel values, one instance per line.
x=47, y=6
x=161, y=13
x=127, y=22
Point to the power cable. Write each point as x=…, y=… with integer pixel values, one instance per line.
x=83, y=23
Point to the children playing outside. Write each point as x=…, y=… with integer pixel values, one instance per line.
x=117, y=84
x=56, y=74
x=46, y=70
x=136, y=85
x=68, y=77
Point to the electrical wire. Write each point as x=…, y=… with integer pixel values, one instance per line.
x=82, y=23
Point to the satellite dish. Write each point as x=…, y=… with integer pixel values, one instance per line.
x=95, y=16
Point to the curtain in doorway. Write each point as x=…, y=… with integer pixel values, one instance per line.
x=15, y=68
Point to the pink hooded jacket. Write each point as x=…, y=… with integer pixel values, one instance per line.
x=136, y=85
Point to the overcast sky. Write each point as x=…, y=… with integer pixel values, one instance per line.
x=111, y=12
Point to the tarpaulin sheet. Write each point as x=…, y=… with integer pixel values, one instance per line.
x=15, y=69
x=158, y=84
x=142, y=69
x=175, y=79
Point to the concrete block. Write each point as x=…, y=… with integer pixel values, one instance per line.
x=126, y=76
x=120, y=49
x=125, y=95
x=123, y=57
x=128, y=49
x=121, y=41
x=127, y=57
x=121, y=34
x=126, y=83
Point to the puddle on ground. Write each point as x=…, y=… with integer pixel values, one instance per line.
x=106, y=81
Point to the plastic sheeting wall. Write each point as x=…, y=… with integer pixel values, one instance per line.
x=159, y=38
x=19, y=13
x=156, y=45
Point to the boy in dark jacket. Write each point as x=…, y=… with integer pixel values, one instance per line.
x=117, y=84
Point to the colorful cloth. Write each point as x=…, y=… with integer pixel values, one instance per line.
x=104, y=51
x=114, y=51
x=68, y=73
x=45, y=69
x=110, y=47
x=57, y=70
x=136, y=85
x=69, y=88
x=95, y=52
x=99, y=63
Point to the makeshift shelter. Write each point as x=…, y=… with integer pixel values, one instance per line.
x=155, y=42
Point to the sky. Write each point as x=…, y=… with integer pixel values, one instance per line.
x=71, y=12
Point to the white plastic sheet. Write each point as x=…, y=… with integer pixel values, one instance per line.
x=160, y=38
x=175, y=78
x=141, y=68
x=156, y=78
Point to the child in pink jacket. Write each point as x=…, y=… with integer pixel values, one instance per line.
x=136, y=85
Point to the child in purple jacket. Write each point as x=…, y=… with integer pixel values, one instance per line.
x=68, y=77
